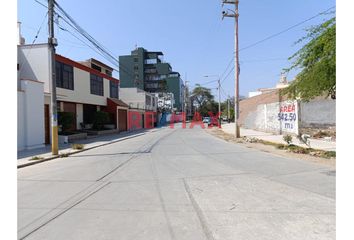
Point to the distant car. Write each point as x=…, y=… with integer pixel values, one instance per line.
x=224, y=118
x=206, y=120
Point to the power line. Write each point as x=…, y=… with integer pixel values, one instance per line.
x=76, y=27
x=66, y=30
x=34, y=40
x=262, y=60
x=275, y=35
x=223, y=92
x=228, y=74
x=103, y=50
x=285, y=30
x=231, y=61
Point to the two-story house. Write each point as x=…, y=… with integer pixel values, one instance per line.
x=82, y=88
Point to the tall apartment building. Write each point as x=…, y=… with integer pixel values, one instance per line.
x=147, y=71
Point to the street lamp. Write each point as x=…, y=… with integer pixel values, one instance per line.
x=219, y=86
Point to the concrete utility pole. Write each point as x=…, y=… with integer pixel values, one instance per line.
x=185, y=97
x=228, y=108
x=235, y=15
x=219, y=88
x=52, y=43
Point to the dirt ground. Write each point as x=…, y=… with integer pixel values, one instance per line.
x=272, y=149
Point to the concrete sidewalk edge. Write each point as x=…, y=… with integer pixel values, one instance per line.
x=77, y=151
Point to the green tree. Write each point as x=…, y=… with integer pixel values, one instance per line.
x=100, y=118
x=203, y=97
x=66, y=121
x=317, y=63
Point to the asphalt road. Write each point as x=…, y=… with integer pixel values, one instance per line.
x=176, y=184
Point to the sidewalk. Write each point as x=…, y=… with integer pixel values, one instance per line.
x=314, y=143
x=24, y=157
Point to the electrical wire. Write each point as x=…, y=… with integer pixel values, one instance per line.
x=104, y=52
x=95, y=50
x=275, y=35
x=33, y=42
x=285, y=30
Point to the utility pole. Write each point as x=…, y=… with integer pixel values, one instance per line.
x=228, y=108
x=185, y=98
x=219, y=113
x=52, y=43
x=235, y=15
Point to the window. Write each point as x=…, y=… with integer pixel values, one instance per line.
x=64, y=75
x=109, y=73
x=96, y=85
x=136, y=59
x=147, y=100
x=98, y=68
x=136, y=67
x=151, y=61
x=114, y=88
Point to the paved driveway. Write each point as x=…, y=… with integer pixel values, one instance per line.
x=176, y=184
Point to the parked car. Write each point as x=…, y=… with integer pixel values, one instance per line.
x=206, y=120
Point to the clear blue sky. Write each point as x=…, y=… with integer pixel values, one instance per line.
x=190, y=33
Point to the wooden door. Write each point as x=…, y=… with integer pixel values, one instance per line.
x=122, y=120
x=46, y=124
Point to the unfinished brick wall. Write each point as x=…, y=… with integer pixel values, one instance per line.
x=249, y=105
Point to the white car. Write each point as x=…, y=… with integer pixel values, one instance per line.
x=206, y=120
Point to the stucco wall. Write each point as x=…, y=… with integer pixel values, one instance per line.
x=267, y=117
x=30, y=115
x=263, y=112
x=38, y=69
x=79, y=115
x=318, y=113
x=20, y=120
x=137, y=99
x=34, y=63
x=81, y=92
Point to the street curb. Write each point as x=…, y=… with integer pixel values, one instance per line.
x=78, y=151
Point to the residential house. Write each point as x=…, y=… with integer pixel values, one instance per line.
x=142, y=105
x=82, y=88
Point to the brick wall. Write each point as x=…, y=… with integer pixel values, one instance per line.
x=249, y=105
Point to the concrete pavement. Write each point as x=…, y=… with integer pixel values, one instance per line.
x=176, y=184
x=277, y=138
x=24, y=158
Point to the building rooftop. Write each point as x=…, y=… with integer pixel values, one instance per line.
x=95, y=61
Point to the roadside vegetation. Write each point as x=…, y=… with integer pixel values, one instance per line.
x=316, y=61
x=294, y=148
x=36, y=158
x=288, y=148
x=77, y=146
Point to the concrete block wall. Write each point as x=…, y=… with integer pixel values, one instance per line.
x=318, y=113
